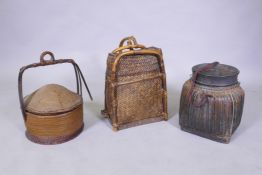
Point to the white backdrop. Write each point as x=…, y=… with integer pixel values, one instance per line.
x=189, y=32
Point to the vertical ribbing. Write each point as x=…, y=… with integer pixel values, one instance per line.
x=218, y=118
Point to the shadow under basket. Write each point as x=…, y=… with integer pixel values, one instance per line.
x=53, y=114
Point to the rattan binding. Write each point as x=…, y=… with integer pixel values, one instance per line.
x=135, y=86
x=49, y=119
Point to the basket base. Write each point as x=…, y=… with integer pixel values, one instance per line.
x=104, y=113
x=53, y=140
x=137, y=123
x=222, y=139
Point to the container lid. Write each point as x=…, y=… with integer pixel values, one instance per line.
x=217, y=75
x=52, y=99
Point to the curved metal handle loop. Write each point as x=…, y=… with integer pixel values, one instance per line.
x=204, y=98
x=78, y=73
x=47, y=53
x=131, y=40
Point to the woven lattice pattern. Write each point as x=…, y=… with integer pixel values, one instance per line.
x=140, y=100
x=137, y=64
x=52, y=99
x=135, y=93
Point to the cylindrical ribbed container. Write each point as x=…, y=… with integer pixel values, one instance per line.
x=52, y=114
x=211, y=102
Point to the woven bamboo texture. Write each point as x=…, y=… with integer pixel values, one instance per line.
x=52, y=114
x=135, y=87
x=53, y=129
x=218, y=117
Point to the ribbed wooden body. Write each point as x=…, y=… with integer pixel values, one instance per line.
x=56, y=128
x=135, y=88
x=218, y=117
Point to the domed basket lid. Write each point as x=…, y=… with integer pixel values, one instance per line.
x=219, y=75
x=52, y=99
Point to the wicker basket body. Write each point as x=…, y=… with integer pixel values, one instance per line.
x=52, y=114
x=135, y=87
x=220, y=113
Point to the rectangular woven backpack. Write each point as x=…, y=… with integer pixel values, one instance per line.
x=135, y=85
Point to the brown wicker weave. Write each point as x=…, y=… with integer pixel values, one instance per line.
x=213, y=112
x=135, y=87
x=52, y=114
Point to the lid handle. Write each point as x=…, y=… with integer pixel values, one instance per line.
x=131, y=44
x=131, y=40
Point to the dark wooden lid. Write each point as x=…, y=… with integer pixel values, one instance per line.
x=219, y=75
x=52, y=99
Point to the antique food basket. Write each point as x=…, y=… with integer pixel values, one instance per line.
x=52, y=114
x=212, y=102
x=135, y=87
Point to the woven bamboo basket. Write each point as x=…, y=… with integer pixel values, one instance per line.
x=135, y=86
x=52, y=114
x=212, y=101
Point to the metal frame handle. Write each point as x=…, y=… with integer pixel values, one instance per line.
x=52, y=61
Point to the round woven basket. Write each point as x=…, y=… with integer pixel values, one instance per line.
x=54, y=115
